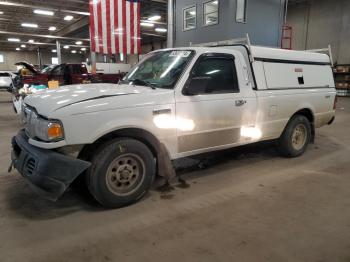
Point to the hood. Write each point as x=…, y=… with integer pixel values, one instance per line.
x=28, y=66
x=87, y=96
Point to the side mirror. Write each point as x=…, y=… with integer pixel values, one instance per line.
x=197, y=85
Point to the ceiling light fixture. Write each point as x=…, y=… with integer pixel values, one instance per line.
x=43, y=12
x=154, y=18
x=73, y=51
x=13, y=39
x=68, y=18
x=52, y=28
x=30, y=41
x=54, y=51
x=146, y=24
x=18, y=49
x=66, y=47
x=83, y=49
x=1, y=12
x=78, y=42
x=161, y=30
x=30, y=25
x=23, y=46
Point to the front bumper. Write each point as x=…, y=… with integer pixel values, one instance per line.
x=49, y=173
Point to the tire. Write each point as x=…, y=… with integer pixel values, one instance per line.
x=121, y=173
x=295, y=137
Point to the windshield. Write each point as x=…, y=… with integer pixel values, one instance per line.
x=160, y=69
x=48, y=69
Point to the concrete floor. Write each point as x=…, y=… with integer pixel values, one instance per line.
x=246, y=204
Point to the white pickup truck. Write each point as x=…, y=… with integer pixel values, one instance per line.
x=174, y=103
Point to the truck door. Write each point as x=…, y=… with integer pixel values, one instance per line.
x=215, y=104
x=57, y=74
x=79, y=73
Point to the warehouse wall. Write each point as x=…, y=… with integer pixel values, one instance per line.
x=11, y=57
x=264, y=23
x=317, y=23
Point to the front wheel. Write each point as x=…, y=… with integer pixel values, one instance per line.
x=121, y=173
x=296, y=137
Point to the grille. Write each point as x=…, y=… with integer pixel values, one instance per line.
x=30, y=166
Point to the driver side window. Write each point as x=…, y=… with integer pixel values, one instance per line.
x=214, y=75
x=57, y=71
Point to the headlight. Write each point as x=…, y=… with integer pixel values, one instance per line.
x=48, y=130
x=38, y=127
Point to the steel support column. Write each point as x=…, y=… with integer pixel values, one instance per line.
x=58, y=49
x=170, y=40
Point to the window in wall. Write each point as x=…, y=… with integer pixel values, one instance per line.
x=241, y=11
x=221, y=75
x=54, y=60
x=211, y=12
x=189, y=18
x=1, y=58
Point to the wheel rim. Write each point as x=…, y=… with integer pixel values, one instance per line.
x=125, y=174
x=299, y=137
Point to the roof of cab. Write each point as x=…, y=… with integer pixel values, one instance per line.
x=270, y=53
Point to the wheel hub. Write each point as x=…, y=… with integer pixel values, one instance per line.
x=299, y=137
x=125, y=174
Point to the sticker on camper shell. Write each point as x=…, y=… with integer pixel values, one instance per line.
x=180, y=53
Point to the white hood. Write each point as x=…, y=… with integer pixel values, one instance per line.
x=47, y=101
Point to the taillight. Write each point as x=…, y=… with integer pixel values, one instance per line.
x=335, y=102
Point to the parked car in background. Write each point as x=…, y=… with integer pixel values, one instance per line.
x=64, y=74
x=6, y=79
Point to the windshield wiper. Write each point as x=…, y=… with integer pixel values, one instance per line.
x=143, y=83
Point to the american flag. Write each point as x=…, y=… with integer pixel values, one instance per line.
x=115, y=26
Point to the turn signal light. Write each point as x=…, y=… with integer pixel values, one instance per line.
x=54, y=131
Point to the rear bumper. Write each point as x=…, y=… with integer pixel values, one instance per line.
x=49, y=173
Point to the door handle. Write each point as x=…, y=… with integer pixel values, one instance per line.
x=161, y=111
x=240, y=102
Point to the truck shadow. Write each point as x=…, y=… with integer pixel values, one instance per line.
x=22, y=201
x=26, y=203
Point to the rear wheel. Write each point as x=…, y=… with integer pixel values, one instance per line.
x=295, y=137
x=121, y=173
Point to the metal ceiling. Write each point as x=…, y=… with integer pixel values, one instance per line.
x=21, y=11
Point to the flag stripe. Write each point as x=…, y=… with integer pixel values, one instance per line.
x=139, y=29
x=120, y=25
x=112, y=20
x=132, y=26
x=97, y=39
x=100, y=34
x=135, y=33
x=104, y=26
x=124, y=27
x=128, y=18
x=92, y=27
x=108, y=21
